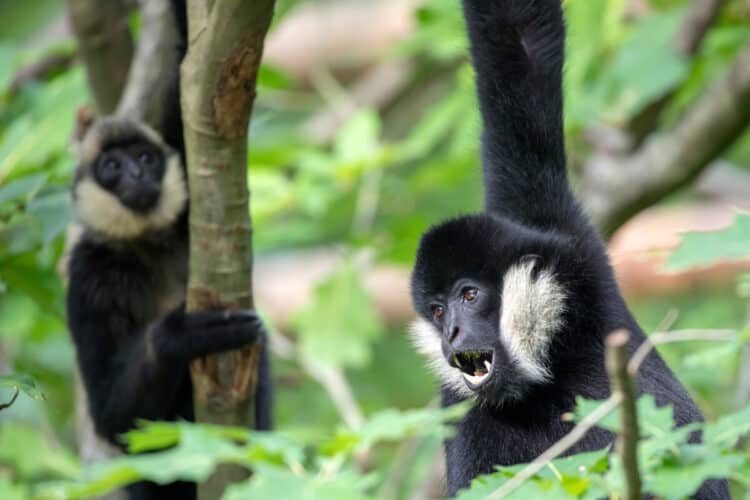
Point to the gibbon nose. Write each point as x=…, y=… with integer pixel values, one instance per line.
x=136, y=171
x=453, y=332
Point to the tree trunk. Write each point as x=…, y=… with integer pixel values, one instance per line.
x=218, y=89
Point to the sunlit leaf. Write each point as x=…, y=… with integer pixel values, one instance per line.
x=728, y=429
x=682, y=480
x=25, y=188
x=394, y=425
x=269, y=482
x=705, y=248
x=23, y=383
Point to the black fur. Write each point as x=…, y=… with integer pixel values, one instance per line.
x=517, y=47
x=134, y=340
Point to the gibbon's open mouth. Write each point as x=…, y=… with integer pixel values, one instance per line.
x=476, y=366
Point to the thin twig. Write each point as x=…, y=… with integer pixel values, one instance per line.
x=39, y=70
x=622, y=383
x=743, y=387
x=659, y=338
x=403, y=462
x=12, y=400
x=331, y=379
x=576, y=434
x=593, y=418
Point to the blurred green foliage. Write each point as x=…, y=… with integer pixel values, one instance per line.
x=384, y=177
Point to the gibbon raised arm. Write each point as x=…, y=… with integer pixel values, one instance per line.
x=514, y=303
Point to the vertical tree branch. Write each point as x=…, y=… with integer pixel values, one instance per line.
x=152, y=64
x=106, y=47
x=218, y=89
x=623, y=385
x=686, y=41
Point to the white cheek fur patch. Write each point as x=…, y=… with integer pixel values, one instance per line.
x=532, y=313
x=101, y=211
x=426, y=341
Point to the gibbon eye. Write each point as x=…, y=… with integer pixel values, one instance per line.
x=438, y=311
x=107, y=170
x=111, y=165
x=470, y=294
x=146, y=158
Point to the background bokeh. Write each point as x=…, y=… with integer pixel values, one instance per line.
x=365, y=131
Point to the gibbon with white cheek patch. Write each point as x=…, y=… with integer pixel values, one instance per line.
x=514, y=303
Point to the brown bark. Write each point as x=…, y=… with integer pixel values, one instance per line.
x=622, y=383
x=218, y=89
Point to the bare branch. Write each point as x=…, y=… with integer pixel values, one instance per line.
x=106, y=47
x=686, y=41
x=39, y=70
x=615, y=189
x=622, y=384
x=659, y=338
x=700, y=16
x=153, y=63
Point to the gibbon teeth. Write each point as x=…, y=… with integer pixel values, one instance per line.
x=488, y=365
x=457, y=361
x=475, y=379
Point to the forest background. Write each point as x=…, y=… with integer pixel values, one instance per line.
x=364, y=132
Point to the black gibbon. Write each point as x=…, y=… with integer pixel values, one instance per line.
x=514, y=303
x=127, y=278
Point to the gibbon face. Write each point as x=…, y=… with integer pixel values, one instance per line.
x=128, y=182
x=490, y=305
x=133, y=173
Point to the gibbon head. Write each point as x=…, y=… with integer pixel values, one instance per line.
x=490, y=302
x=128, y=182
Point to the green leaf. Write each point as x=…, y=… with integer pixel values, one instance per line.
x=725, y=432
x=654, y=421
x=565, y=478
x=54, y=211
x=25, y=187
x=31, y=453
x=273, y=78
x=395, y=425
x=340, y=323
x=193, y=458
x=150, y=436
x=705, y=248
x=358, y=139
x=42, y=134
x=271, y=482
x=680, y=480
x=13, y=491
x=660, y=68
x=23, y=383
